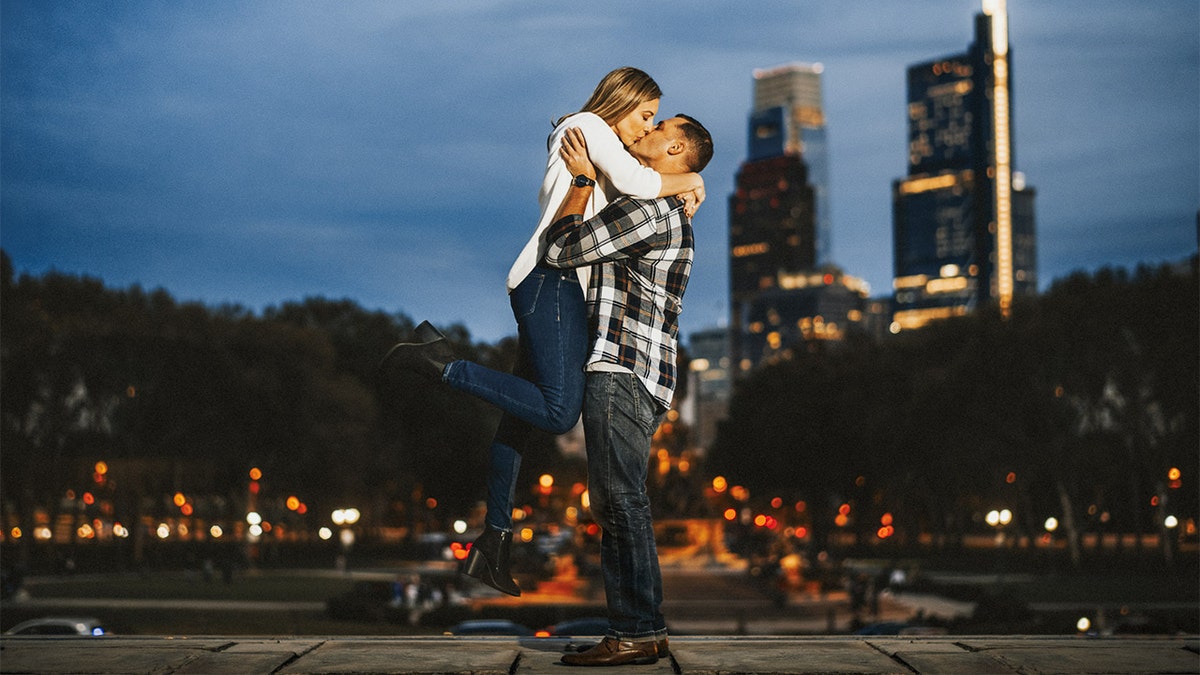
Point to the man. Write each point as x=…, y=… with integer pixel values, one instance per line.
x=640, y=253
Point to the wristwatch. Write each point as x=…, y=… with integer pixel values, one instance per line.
x=583, y=181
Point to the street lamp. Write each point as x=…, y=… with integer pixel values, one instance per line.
x=998, y=519
x=344, y=518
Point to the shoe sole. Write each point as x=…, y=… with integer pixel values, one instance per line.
x=424, y=333
x=640, y=661
x=477, y=567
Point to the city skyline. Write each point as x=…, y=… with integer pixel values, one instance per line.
x=261, y=154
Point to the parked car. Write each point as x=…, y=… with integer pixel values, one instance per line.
x=53, y=625
x=489, y=627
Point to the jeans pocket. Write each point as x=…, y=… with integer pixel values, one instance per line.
x=645, y=407
x=524, y=298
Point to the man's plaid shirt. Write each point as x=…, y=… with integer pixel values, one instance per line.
x=641, y=251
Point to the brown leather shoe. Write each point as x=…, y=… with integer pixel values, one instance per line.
x=663, y=647
x=614, y=652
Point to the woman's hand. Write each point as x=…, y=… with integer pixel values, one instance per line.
x=692, y=200
x=574, y=154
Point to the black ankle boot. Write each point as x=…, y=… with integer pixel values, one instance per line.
x=488, y=561
x=428, y=356
x=425, y=332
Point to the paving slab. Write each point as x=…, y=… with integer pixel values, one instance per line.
x=253, y=656
x=478, y=656
x=1083, y=655
x=102, y=655
x=925, y=655
x=781, y=655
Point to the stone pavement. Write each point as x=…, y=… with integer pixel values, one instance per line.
x=521, y=656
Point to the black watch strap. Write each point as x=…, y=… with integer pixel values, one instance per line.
x=583, y=181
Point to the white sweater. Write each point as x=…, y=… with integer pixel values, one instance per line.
x=617, y=173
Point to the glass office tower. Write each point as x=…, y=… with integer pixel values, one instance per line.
x=963, y=219
x=790, y=96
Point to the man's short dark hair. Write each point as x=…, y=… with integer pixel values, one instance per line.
x=700, y=145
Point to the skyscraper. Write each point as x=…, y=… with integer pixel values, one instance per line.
x=962, y=218
x=789, y=97
x=779, y=216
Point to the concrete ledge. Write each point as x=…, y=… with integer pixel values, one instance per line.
x=506, y=656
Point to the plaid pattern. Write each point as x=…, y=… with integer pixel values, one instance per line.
x=641, y=255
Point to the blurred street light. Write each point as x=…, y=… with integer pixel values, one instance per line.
x=999, y=518
x=345, y=516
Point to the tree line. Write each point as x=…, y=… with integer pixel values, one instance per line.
x=1077, y=407
x=181, y=397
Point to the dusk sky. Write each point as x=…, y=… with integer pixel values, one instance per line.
x=387, y=152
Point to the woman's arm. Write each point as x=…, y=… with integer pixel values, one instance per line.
x=624, y=173
x=679, y=183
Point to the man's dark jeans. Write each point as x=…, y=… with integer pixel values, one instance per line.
x=619, y=418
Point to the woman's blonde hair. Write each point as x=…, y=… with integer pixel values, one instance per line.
x=619, y=93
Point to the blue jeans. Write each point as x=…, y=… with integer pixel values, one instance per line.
x=619, y=419
x=545, y=389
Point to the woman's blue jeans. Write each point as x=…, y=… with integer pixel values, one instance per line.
x=545, y=389
x=619, y=419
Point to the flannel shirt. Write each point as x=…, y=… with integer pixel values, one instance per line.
x=641, y=254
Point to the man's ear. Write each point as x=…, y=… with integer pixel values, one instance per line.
x=677, y=147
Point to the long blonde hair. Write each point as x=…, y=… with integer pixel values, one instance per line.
x=619, y=93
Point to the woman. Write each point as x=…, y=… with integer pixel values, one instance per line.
x=546, y=387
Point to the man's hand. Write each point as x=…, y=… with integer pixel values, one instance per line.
x=692, y=201
x=574, y=154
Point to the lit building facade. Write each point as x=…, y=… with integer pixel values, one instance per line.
x=820, y=305
x=963, y=219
